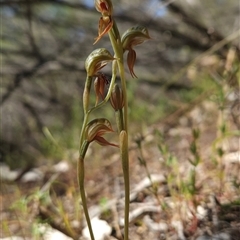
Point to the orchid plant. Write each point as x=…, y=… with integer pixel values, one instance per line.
x=95, y=129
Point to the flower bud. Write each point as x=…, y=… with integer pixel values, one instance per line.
x=105, y=7
x=117, y=99
x=97, y=60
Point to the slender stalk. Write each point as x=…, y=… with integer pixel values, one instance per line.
x=85, y=120
x=81, y=174
x=125, y=166
x=119, y=120
x=86, y=93
x=118, y=50
x=117, y=47
x=124, y=88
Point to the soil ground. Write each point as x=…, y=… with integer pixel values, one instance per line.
x=177, y=206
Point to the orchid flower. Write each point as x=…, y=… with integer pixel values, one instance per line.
x=132, y=37
x=97, y=60
x=96, y=128
x=105, y=22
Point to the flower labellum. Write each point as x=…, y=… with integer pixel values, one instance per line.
x=131, y=58
x=100, y=83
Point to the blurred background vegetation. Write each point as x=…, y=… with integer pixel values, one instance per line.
x=44, y=44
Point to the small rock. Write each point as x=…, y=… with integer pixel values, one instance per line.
x=48, y=233
x=34, y=175
x=201, y=212
x=61, y=167
x=233, y=157
x=6, y=174
x=101, y=229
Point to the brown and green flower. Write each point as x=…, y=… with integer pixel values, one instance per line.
x=96, y=128
x=105, y=22
x=97, y=60
x=132, y=37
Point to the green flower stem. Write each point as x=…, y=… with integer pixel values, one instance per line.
x=86, y=93
x=117, y=47
x=119, y=120
x=124, y=89
x=118, y=50
x=123, y=138
x=81, y=174
x=85, y=121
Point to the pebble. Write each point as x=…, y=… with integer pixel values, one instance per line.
x=34, y=175
x=61, y=167
x=6, y=174
x=101, y=229
x=51, y=234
